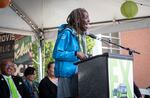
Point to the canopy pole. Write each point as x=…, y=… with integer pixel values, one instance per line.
x=40, y=76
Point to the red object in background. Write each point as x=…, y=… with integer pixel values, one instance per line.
x=4, y=3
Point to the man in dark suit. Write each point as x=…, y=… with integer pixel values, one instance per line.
x=11, y=86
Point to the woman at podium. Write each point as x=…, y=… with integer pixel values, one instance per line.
x=70, y=48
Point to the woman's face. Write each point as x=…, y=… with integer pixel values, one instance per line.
x=84, y=22
x=51, y=70
x=31, y=77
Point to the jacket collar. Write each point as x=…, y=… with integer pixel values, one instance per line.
x=66, y=27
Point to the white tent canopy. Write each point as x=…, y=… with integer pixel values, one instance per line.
x=51, y=13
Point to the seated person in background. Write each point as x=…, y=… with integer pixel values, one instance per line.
x=11, y=86
x=48, y=85
x=29, y=74
x=137, y=91
x=147, y=96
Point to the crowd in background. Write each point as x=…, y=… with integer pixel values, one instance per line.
x=26, y=87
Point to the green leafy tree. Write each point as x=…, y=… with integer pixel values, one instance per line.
x=48, y=51
x=35, y=57
x=46, y=54
x=90, y=44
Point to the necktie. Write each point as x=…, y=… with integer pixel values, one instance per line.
x=12, y=87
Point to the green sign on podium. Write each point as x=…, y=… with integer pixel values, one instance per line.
x=120, y=78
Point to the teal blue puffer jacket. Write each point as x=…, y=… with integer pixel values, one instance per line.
x=64, y=52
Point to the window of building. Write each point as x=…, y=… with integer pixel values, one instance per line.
x=110, y=48
x=103, y=46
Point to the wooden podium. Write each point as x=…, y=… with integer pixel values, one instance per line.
x=106, y=76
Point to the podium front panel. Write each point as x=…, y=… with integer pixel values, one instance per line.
x=92, y=78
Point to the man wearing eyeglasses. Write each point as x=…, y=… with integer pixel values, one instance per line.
x=11, y=86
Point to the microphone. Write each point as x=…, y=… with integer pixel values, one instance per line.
x=92, y=36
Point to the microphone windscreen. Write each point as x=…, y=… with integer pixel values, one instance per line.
x=92, y=36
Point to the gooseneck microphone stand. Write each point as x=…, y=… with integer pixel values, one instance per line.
x=131, y=51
